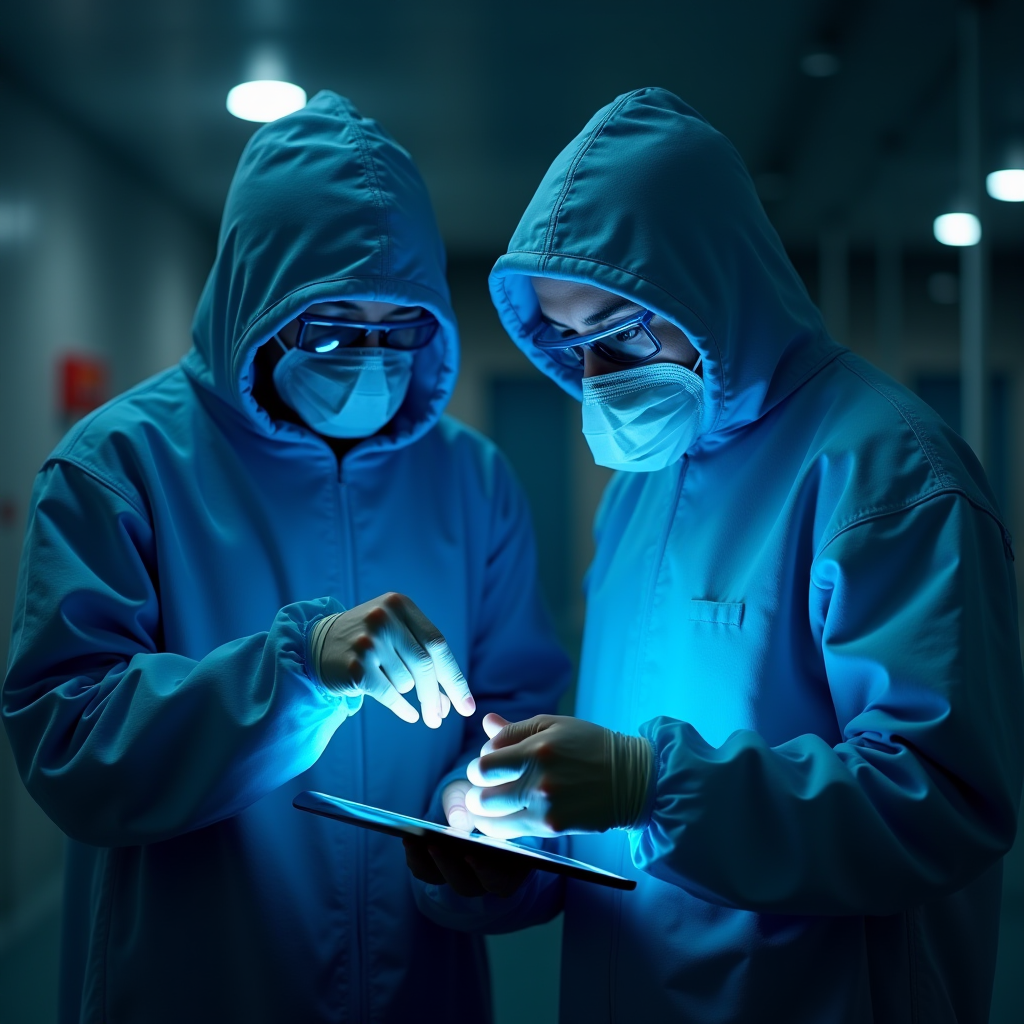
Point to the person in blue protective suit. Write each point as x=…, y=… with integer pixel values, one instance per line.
x=800, y=698
x=222, y=563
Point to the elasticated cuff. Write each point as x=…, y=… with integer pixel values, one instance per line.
x=632, y=759
x=317, y=635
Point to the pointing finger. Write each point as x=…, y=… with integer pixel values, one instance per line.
x=377, y=686
x=421, y=667
x=450, y=676
x=446, y=668
x=394, y=668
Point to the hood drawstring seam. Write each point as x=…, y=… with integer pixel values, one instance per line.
x=373, y=183
x=570, y=179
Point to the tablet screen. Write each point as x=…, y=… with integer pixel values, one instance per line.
x=402, y=825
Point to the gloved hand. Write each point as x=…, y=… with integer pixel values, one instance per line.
x=554, y=775
x=472, y=874
x=384, y=648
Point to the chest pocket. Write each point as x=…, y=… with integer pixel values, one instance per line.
x=726, y=613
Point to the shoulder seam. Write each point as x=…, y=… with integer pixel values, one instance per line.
x=946, y=485
x=881, y=511
x=909, y=418
x=101, y=478
x=139, y=389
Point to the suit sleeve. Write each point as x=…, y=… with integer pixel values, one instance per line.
x=119, y=742
x=915, y=615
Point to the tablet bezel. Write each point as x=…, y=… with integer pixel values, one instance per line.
x=402, y=825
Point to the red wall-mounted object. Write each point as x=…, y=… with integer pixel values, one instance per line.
x=84, y=383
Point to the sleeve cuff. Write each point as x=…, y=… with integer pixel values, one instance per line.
x=315, y=633
x=644, y=819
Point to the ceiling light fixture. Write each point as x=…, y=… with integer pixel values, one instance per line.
x=265, y=99
x=957, y=229
x=1007, y=184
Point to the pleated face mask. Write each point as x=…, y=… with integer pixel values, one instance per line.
x=350, y=392
x=643, y=418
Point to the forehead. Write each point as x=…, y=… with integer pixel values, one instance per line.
x=562, y=293
x=574, y=296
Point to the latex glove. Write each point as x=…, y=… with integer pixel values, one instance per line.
x=472, y=874
x=384, y=648
x=554, y=775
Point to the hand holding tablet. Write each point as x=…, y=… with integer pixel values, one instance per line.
x=457, y=844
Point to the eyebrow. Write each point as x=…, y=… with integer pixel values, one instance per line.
x=617, y=305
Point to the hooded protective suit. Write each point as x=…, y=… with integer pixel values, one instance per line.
x=811, y=616
x=181, y=544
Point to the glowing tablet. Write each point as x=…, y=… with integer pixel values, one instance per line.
x=401, y=825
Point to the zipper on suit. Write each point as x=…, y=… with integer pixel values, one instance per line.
x=358, y=989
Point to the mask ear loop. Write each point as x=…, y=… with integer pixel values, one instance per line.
x=696, y=366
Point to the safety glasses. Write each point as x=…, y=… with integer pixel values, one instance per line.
x=629, y=342
x=326, y=333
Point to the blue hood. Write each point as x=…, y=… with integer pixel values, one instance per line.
x=324, y=205
x=651, y=203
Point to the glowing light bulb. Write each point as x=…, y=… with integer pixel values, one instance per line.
x=1007, y=185
x=265, y=100
x=957, y=229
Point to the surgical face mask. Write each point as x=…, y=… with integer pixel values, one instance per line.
x=351, y=392
x=643, y=418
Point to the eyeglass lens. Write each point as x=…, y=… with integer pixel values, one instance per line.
x=327, y=337
x=632, y=345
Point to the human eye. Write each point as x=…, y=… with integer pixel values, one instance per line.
x=628, y=335
x=551, y=332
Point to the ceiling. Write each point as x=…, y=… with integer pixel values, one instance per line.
x=485, y=94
